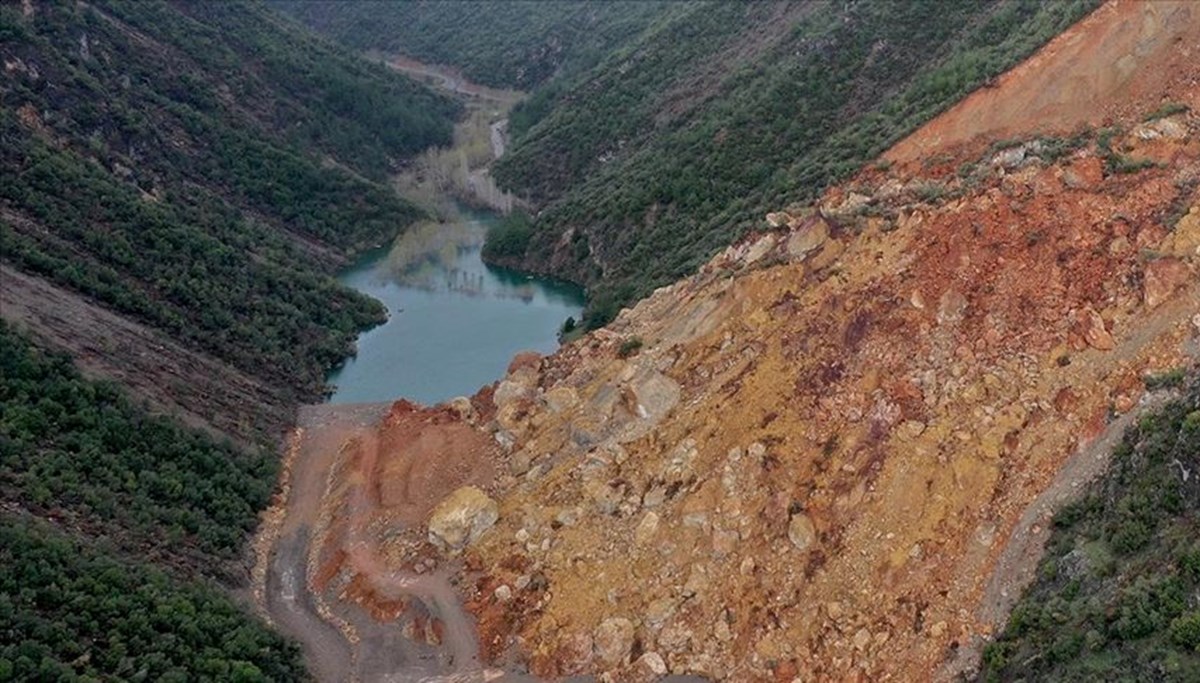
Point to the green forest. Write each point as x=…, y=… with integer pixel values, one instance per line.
x=1115, y=595
x=79, y=450
x=666, y=131
x=119, y=483
x=182, y=162
x=203, y=169
x=654, y=161
x=73, y=611
x=517, y=44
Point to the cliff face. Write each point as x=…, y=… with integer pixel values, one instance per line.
x=828, y=453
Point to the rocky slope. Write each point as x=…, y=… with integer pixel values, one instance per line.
x=827, y=455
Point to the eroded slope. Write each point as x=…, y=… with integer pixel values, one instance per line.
x=827, y=454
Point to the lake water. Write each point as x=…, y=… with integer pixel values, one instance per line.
x=454, y=323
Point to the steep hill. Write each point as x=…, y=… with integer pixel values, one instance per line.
x=178, y=181
x=834, y=451
x=1115, y=594
x=197, y=169
x=696, y=118
x=678, y=145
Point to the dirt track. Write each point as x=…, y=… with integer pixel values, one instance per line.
x=341, y=641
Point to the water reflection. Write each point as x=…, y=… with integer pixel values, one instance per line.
x=431, y=256
x=454, y=323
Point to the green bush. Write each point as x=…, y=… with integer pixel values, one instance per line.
x=1185, y=631
x=81, y=450
x=73, y=612
x=629, y=347
x=509, y=239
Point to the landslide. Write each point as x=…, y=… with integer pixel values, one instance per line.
x=809, y=458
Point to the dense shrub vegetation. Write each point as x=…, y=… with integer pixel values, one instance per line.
x=1117, y=596
x=297, y=88
x=680, y=143
x=693, y=119
x=509, y=238
x=503, y=43
x=200, y=167
x=191, y=268
x=73, y=612
x=76, y=449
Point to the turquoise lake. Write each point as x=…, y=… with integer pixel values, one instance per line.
x=454, y=322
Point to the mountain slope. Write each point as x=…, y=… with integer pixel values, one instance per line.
x=178, y=182
x=1114, y=596
x=833, y=452
x=200, y=168
x=70, y=611
x=516, y=44
x=694, y=118
x=650, y=164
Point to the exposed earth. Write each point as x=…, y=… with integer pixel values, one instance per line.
x=828, y=455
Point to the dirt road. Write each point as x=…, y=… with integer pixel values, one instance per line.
x=341, y=642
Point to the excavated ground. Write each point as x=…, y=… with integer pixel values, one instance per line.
x=830, y=454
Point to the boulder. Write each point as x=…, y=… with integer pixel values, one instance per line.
x=1163, y=277
x=778, y=219
x=648, y=668
x=646, y=529
x=807, y=237
x=951, y=306
x=801, y=531
x=1094, y=332
x=613, y=641
x=1184, y=240
x=573, y=654
x=461, y=518
x=1011, y=157
x=758, y=249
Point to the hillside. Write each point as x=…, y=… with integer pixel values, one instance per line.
x=695, y=118
x=1114, y=596
x=518, y=44
x=678, y=146
x=835, y=450
x=198, y=169
x=178, y=183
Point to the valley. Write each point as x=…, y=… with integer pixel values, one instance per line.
x=577, y=341
x=836, y=450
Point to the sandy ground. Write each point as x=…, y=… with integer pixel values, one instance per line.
x=1115, y=61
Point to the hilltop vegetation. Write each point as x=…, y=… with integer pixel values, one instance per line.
x=72, y=606
x=503, y=43
x=79, y=450
x=1116, y=594
x=199, y=170
x=199, y=167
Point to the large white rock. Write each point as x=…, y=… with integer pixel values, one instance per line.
x=461, y=518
